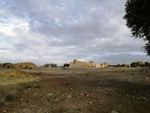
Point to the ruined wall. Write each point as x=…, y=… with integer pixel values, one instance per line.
x=103, y=65
x=97, y=66
x=78, y=64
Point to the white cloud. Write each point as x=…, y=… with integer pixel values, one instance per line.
x=59, y=31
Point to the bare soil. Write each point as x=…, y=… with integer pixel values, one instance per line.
x=107, y=90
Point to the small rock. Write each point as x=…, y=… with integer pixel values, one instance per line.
x=4, y=111
x=6, y=103
x=91, y=102
x=41, y=109
x=144, y=99
x=53, y=108
x=56, y=100
x=25, y=110
x=128, y=95
x=49, y=94
x=46, y=112
x=21, y=99
x=69, y=96
x=86, y=94
x=33, y=106
x=36, y=94
x=113, y=111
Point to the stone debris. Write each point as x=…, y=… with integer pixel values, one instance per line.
x=91, y=102
x=113, y=111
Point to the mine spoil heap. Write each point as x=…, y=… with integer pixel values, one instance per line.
x=15, y=76
x=26, y=65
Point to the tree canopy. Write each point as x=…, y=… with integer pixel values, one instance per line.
x=137, y=15
x=50, y=65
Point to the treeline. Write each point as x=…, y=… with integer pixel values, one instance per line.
x=55, y=65
x=140, y=64
x=50, y=65
x=133, y=64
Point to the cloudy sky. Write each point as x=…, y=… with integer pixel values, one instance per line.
x=58, y=31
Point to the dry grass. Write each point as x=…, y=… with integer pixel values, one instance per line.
x=123, y=90
x=12, y=84
x=145, y=70
x=14, y=77
x=11, y=92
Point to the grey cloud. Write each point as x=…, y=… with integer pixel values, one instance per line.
x=83, y=29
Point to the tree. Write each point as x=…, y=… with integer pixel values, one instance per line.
x=53, y=65
x=50, y=65
x=147, y=64
x=137, y=64
x=66, y=65
x=137, y=16
x=133, y=64
x=140, y=64
x=123, y=65
x=118, y=65
x=47, y=65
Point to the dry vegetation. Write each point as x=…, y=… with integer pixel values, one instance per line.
x=107, y=90
x=15, y=76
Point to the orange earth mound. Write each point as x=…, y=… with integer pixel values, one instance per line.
x=15, y=76
x=26, y=65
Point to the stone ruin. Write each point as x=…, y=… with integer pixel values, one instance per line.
x=103, y=65
x=78, y=64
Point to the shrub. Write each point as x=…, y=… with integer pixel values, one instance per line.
x=38, y=86
x=9, y=97
x=47, y=65
x=1, y=104
x=66, y=65
x=53, y=65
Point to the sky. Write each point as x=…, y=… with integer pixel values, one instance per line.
x=58, y=31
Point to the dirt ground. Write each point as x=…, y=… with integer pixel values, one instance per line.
x=107, y=90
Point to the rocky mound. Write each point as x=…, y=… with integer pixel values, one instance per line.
x=7, y=65
x=15, y=76
x=26, y=65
